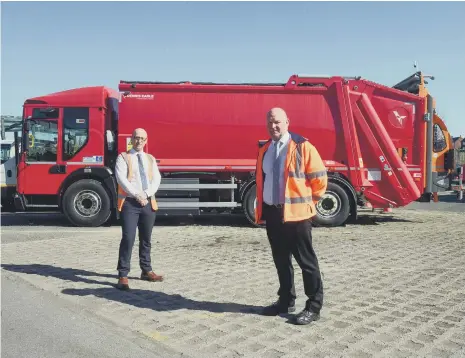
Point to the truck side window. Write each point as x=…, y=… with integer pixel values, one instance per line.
x=75, y=130
x=45, y=113
x=439, y=140
x=43, y=139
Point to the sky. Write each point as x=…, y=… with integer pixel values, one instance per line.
x=53, y=46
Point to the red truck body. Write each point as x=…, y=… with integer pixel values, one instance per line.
x=378, y=144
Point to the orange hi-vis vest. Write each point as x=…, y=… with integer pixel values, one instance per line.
x=305, y=178
x=122, y=194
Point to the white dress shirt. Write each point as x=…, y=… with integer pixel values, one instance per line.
x=268, y=162
x=134, y=187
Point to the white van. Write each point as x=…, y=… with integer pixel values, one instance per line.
x=7, y=174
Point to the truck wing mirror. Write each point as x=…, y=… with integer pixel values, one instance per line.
x=449, y=160
x=25, y=136
x=25, y=143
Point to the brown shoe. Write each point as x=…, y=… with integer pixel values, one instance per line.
x=123, y=284
x=151, y=276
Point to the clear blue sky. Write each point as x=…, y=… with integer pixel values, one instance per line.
x=51, y=46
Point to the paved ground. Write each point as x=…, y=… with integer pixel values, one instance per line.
x=394, y=285
x=37, y=323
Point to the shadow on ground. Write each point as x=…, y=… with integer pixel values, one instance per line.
x=162, y=302
x=34, y=219
x=59, y=220
x=66, y=274
x=38, y=218
x=222, y=220
x=377, y=219
x=157, y=301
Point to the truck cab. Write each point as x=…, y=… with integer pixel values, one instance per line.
x=64, y=159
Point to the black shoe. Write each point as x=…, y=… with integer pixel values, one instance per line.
x=306, y=317
x=277, y=308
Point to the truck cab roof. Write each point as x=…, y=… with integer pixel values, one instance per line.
x=94, y=96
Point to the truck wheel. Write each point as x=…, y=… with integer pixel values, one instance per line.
x=249, y=203
x=333, y=209
x=87, y=203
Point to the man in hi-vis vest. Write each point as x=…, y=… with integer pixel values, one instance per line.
x=290, y=179
x=138, y=180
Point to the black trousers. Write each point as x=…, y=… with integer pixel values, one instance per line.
x=134, y=216
x=293, y=239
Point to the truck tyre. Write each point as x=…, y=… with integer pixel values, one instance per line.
x=87, y=203
x=249, y=203
x=333, y=209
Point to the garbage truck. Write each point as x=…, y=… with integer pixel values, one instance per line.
x=383, y=146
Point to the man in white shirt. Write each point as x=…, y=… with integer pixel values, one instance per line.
x=137, y=205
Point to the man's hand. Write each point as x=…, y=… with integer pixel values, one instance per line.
x=142, y=199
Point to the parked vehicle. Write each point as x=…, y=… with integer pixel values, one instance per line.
x=458, y=182
x=7, y=174
x=10, y=128
x=383, y=146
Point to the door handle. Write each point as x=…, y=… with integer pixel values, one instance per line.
x=58, y=169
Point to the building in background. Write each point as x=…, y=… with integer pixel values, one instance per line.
x=459, y=146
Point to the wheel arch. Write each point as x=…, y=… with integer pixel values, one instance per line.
x=344, y=183
x=245, y=187
x=102, y=174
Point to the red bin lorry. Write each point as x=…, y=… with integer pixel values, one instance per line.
x=383, y=147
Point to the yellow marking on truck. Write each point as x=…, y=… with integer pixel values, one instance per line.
x=128, y=144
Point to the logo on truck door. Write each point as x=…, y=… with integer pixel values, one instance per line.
x=398, y=117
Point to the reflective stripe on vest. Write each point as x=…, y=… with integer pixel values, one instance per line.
x=306, y=180
x=122, y=194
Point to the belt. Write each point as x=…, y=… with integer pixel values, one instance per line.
x=278, y=206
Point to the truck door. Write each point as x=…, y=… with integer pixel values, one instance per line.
x=41, y=173
x=440, y=144
x=442, y=148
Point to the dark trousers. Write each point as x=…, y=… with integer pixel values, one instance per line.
x=134, y=216
x=293, y=239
